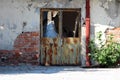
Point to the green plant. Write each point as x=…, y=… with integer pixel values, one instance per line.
x=107, y=54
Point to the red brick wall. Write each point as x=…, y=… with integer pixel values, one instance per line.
x=26, y=50
x=115, y=32
x=9, y=57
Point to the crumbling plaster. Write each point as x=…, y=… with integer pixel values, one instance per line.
x=104, y=14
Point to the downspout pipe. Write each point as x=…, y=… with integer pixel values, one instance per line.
x=87, y=32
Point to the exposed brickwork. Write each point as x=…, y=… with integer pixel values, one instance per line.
x=9, y=57
x=26, y=50
x=115, y=32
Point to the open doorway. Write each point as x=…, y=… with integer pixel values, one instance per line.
x=60, y=36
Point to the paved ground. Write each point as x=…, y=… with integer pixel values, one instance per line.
x=57, y=73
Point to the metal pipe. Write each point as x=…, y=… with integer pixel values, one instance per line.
x=87, y=32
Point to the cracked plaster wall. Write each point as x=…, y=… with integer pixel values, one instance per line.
x=105, y=12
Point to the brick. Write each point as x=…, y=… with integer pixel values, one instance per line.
x=34, y=43
x=4, y=51
x=115, y=32
x=34, y=34
x=26, y=43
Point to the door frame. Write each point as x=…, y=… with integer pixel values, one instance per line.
x=60, y=22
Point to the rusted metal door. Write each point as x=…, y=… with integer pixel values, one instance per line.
x=64, y=49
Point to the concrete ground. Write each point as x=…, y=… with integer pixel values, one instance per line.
x=57, y=73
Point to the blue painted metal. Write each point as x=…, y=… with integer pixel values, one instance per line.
x=50, y=30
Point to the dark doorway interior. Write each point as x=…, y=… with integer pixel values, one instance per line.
x=69, y=24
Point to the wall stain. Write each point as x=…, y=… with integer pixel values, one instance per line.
x=12, y=1
x=23, y=26
x=1, y=35
x=111, y=7
x=70, y=0
x=14, y=26
x=29, y=6
x=37, y=10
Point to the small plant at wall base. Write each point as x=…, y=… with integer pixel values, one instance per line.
x=106, y=55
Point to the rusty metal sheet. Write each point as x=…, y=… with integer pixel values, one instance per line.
x=60, y=51
x=71, y=51
x=50, y=54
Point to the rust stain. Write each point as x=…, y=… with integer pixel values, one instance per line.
x=72, y=50
x=55, y=51
x=77, y=62
x=50, y=51
x=45, y=42
x=45, y=53
x=50, y=59
x=68, y=41
x=55, y=39
x=55, y=45
x=75, y=41
x=50, y=55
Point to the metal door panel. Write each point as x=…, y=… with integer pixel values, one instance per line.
x=71, y=51
x=50, y=51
